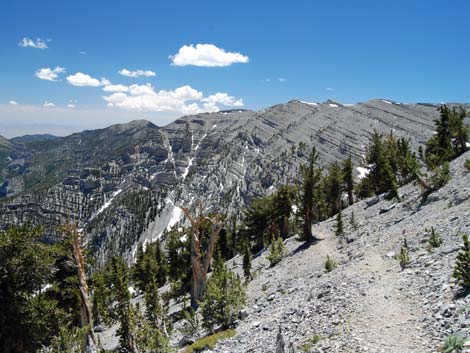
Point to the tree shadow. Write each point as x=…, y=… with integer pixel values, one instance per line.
x=304, y=246
x=461, y=293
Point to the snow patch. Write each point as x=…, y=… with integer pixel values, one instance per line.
x=388, y=102
x=363, y=172
x=107, y=203
x=333, y=105
x=309, y=103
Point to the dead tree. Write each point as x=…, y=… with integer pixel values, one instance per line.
x=72, y=236
x=200, y=260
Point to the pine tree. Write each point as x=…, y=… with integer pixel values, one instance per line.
x=339, y=231
x=311, y=177
x=224, y=297
x=348, y=179
x=282, y=208
x=333, y=184
x=247, y=257
x=122, y=310
x=277, y=251
x=462, y=264
x=29, y=317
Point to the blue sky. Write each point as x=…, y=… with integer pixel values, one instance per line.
x=267, y=52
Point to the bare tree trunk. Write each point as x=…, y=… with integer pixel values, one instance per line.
x=86, y=318
x=200, y=263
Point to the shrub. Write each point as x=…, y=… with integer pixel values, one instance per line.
x=209, y=342
x=307, y=346
x=224, y=297
x=330, y=264
x=467, y=164
x=462, y=264
x=277, y=251
x=191, y=324
x=404, y=256
x=435, y=240
x=353, y=222
x=339, y=231
x=453, y=343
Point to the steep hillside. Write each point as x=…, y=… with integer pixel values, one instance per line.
x=125, y=183
x=367, y=303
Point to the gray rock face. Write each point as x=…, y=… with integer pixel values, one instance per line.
x=125, y=184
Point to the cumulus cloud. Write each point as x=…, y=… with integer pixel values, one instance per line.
x=80, y=79
x=12, y=103
x=115, y=88
x=28, y=42
x=185, y=100
x=70, y=105
x=136, y=73
x=224, y=99
x=48, y=104
x=206, y=55
x=49, y=74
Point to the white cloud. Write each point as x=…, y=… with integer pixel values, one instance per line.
x=115, y=88
x=282, y=79
x=105, y=81
x=207, y=55
x=82, y=52
x=185, y=100
x=136, y=73
x=81, y=80
x=49, y=74
x=71, y=105
x=330, y=89
x=224, y=99
x=28, y=42
x=12, y=103
x=48, y=104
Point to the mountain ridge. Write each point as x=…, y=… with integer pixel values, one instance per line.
x=225, y=158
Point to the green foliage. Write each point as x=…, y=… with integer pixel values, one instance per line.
x=178, y=249
x=388, y=159
x=466, y=164
x=149, y=337
x=462, y=264
x=330, y=264
x=307, y=346
x=441, y=175
x=209, y=342
x=30, y=315
x=224, y=297
x=311, y=174
x=258, y=220
x=435, y=239
x=191, y=323
x=348, y=179
x=353, y=222
x=247, y=257
x=67, y=341
x=453, y=343
x=339, y=231
x=450, y=138
x=277, y=251
x=149, y=264
x=404, y=255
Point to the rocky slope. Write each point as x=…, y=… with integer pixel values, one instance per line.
x=366, y=304
x=125, y=183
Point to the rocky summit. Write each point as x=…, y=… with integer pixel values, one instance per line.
x=224, y=159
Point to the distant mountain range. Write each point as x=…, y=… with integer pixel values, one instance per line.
x=126, y=183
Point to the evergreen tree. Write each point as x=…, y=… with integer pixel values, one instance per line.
x=258, y=220
x=247, y=257
x=311, y=177
x=282, y=208
x=462, y=264
x=339, y=231
x=333, y=184
x=348, y=179
x=224, y=297
x=277, y=251
x=29, y=318
x=122, y=311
